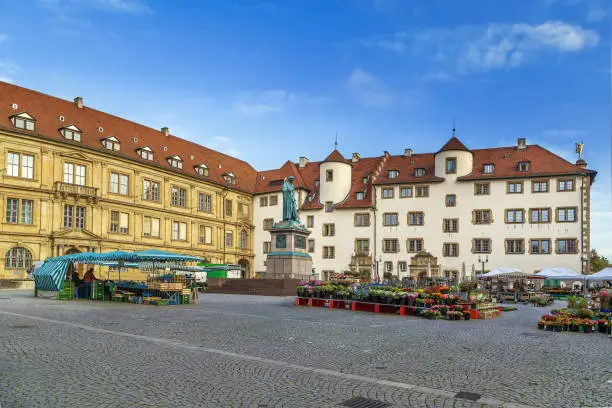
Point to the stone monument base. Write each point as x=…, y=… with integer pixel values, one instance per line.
x=288, y=258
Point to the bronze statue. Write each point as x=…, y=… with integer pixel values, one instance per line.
x=290, y=211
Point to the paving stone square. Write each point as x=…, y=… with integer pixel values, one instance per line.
x=248, y=351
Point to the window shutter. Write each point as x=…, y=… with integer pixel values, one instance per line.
x=123, y=220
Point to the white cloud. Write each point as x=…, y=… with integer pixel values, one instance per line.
x=496, y=46
x=370, y=90
x=596, y=14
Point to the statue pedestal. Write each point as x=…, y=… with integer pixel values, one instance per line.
x=289, y=257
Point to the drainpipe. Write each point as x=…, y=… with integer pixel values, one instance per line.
x=375, y=243
x=582, y=226
x=225, y=191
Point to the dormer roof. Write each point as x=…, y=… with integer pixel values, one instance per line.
x=454, y=144
x=336, y=156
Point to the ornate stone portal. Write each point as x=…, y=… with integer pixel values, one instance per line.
x=288, y=257
x=423, y=264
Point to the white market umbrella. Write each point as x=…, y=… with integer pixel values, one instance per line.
x=558, y=273
x=603, y=275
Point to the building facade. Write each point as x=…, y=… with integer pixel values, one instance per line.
x=76, y=179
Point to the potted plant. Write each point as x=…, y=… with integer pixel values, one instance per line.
x=466, y=315
x=541, y=324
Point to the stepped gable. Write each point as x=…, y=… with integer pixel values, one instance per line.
x=272, y=180
x=506, y=163
x=365, y=167
x=47, y=110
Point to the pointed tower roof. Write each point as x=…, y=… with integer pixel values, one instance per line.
x=453, y=144
x=336, y=156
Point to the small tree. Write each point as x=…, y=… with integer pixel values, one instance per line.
x=598, y=262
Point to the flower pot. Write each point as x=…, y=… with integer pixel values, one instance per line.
x=573, y=328
x=375, y=298
x=541, y=326
x=466, y=316
x=557, y=328
x=602, y=328
x=549, y=328
x=588, y=329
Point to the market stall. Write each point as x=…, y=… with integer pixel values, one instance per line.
x=161, y=286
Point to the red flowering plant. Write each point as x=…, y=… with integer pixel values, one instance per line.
x=428, y=302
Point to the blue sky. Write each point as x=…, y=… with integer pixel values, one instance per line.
x=272, y=80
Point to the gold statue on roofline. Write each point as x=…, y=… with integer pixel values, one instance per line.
x=579, y=147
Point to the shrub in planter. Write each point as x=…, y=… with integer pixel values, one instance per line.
x=541, y=324
x=466, y=315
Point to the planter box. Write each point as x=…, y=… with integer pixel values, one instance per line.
x=337, y=304
x=316, y=302
x=362, y=307
x=300, y=301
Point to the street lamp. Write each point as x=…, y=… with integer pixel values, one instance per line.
x=483, y=261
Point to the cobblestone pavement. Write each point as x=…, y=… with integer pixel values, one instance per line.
x=238, y=351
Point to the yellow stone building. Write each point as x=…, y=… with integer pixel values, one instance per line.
x=76, y=179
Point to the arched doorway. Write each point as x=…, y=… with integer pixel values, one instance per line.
x=244, y=268
x=72, y=250
x=71, y=267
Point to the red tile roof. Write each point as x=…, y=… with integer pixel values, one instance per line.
x=454, y=144
x=335, y=156
x=47, y=109
x=272, y=180
x=406, y=165
x=506, y=159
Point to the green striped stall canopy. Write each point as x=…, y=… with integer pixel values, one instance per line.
x=51, y=275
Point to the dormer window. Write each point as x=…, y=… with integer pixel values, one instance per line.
x=488, y=168
x=317, y=183
x=71, y=133
x=419, y=172
x=230, y=178
x=145, y=153
x=176, y=162
x=365, y=179
x=329, y=175
x=393, y=174
x=111, y=143
x=359, y=195
x=201, y=169
x=524, y=166
x=23, y=121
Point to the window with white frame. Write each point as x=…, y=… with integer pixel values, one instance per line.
x=18, y=258
x=329, y=230
x=201, y=169
x=414, y=244
x=482, y=246
x=74, y=174
x=387, y=193
x=111, y=143
x=179, y=196
x=539, y=215
x=515, y=216
x=19, y=211
x=566, y=185
x=119, y=183
x=329, y=252
x=540, y=246
x=146, y=153
x=388, y=266
x=450, y=249
x=176, y=162
x=244, y=239
x=150, y=190
x=566, y=214
x=119, y=222
x=263, y=201
x=416, y=218
x=267, y=246
x=393, y=174
x=24, y=121
x=419, y=172
x=488, y=168
x=390, y=245
x=524, y=166
x=205, y=202
x=71, y=133
x=150, y=227
x=20, y=165
x=205, y=235
x=515, y=187
x=402, y=266
x=567, y=246
x=515, y=246
x=179, y=231
x=359, y=195
x=390, y=219
x=422, y=191
x=539, y=186
x=405, y=192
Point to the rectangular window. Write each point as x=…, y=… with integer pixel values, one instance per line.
x=539, y=186
x=482, y=246
x=273, y=200
x=405, y=192
x=27, y=166
x=515, y=246
x=69, y=173
x=228, y=208
x=329, y=252
x=388, y=266
x=118, y=183
x=362, y=246
x=416, y=218
x=566, y=214
x=329, y=175
x=12, y=166
x=79, y=175
x=150, y=227
x=179, y=197
x=451, y=200
x=68, y=216
x=329, y=230
x=482, y=188
x=390, y=219
x=268, y=223
x=179, y=231
x=310, y=221
x=12, y=210
x=267, y=246
x=311, y=246
x=523, y=166
x=514, y=187
x=481, y=216
x=80, y=218
x=402, y=266
x=205, y=202
x=263, y=201
x=119, y=222
x=451, y=165
x=229, y=239
x=515, y=216
x=450, y=249
x=387, y=193
x=359, y=195
x=362, y=220
x=329, y=206
x=390, y=245
x=450, y=225
x=205, y=235
x=540, y=246
x=419, y=172
x=26, y=211
x=539, y=215
x=566, y=185
x=393, y=174
x=414, y=245
x=567, y=246
x=150, y=190
x=488, y=169
x=422, y=191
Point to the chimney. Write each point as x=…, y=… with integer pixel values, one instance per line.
x=78, y=101
x=407, y=152
x=165, y=131
x=303, y=162
x=581, y=163
x=521, y=144
x=356, y=157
